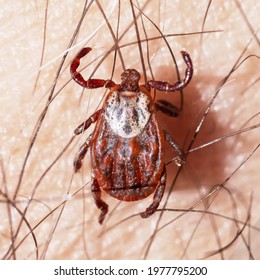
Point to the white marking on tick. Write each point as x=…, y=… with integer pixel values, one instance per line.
x=127, y=113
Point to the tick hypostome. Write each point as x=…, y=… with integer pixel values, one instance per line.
x=127, y=145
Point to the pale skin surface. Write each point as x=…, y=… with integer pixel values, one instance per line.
x=72, y=230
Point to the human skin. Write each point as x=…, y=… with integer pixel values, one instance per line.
x=58, y=203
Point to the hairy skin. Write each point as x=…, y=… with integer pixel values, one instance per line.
x=76, y=234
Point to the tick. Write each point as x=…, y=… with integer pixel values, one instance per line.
x=127, y=144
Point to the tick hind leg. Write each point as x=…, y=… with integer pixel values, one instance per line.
x=157, y=197
x=101, y=204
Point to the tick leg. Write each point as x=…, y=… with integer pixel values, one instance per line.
x=157, y=197
x=164, y=86
x=182, y=158
x=101, y=204
x=86, y=124
x=167, y=108
x=90, y=83
x=81, y=154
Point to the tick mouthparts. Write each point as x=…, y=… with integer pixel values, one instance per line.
x=130, y=75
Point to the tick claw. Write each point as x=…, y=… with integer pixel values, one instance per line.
x=180, y=161
x=104, y=210
x=77, y=166
x=151, y=209
x=144, y=215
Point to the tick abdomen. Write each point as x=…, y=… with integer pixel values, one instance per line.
x=128, y=168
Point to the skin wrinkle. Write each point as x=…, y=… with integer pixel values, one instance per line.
x=20, y=57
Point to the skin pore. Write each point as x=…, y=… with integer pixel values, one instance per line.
x=212, y=213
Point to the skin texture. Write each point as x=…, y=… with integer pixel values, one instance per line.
x=70, y=230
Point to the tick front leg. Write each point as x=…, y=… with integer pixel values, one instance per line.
x=86, y=124
x=164, y=86
x=101, y=204
x=157, y=197
x=182, y=157
x=81, y=154
x=90, y=83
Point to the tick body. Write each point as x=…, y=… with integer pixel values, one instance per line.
x=127, y=144
x=127, y=148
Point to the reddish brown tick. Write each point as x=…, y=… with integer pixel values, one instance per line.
x=127, y=145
